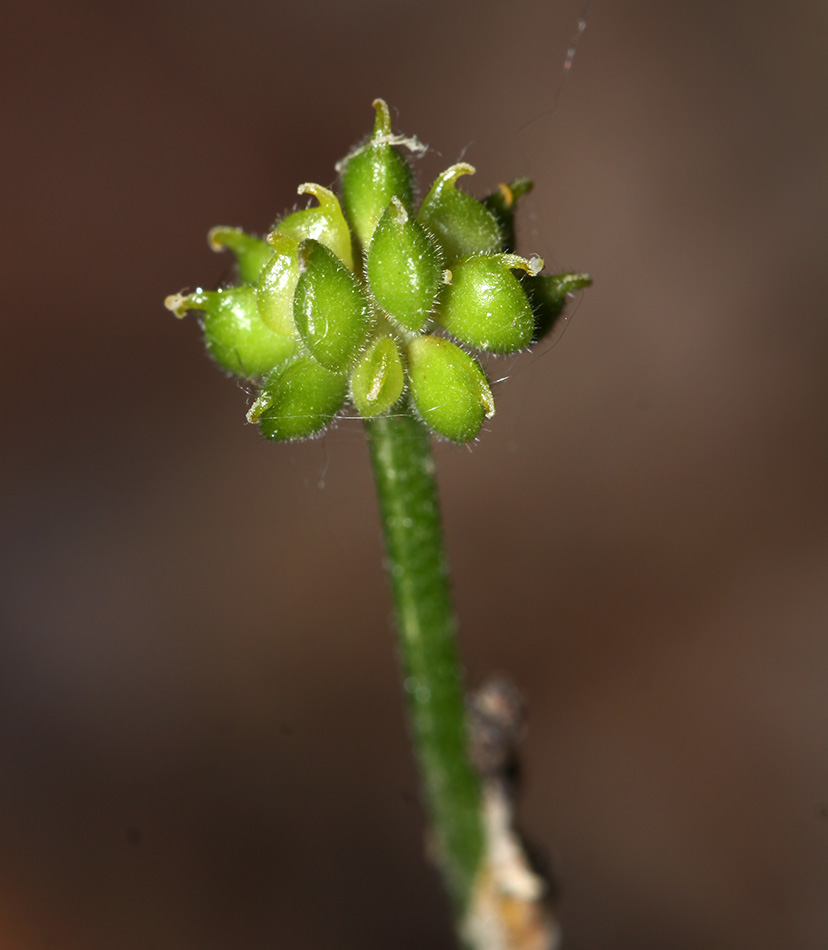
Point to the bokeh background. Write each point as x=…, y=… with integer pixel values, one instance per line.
x=201, y=734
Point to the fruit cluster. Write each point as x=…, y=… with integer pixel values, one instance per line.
x=355, y=303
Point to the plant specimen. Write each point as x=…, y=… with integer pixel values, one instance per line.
x=371, y=306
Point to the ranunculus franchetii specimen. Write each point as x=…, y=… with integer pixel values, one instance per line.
x=371, y=304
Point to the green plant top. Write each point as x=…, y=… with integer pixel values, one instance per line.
x=371, y=303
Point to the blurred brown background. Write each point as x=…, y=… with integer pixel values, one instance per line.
x=201, y=735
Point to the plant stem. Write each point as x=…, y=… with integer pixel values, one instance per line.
x=409, y=507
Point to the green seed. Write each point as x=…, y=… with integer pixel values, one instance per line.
x=374, y=174
x=449, y=388
x=324, y=223
x=503, y=203
x=251, y=253
x=276, y=287
x=377, y=382
x=485, y=305
x=547, y=294
x=403, y=268
x=461, y=224
x=298, y=400
x=330, y=309
x=235, y=334
x=238, y=339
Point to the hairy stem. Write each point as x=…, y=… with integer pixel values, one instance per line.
x=404, y=474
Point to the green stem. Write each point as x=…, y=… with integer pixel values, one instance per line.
x=407, y=490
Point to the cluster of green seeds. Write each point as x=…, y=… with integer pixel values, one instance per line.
x=371, y=304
